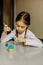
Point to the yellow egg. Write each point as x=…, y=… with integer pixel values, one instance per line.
x=10, y=50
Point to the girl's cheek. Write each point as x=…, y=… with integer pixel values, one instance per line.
x=23, y=29
x=16, y=28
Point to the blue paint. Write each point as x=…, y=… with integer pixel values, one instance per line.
x=6, y=44
x=11, y=47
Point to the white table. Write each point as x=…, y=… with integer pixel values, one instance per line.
x=21, y=56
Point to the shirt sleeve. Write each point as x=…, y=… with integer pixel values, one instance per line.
x=8, y=37
x=32, y=40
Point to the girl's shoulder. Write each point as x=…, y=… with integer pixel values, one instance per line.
x=29, y=31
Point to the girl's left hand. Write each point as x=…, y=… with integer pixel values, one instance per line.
x=20, y=39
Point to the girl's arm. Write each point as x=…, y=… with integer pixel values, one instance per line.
x=8, y=37
x=32, y=40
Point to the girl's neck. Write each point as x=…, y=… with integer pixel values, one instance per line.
x=22, y=33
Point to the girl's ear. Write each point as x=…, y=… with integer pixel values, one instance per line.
x=27, y=26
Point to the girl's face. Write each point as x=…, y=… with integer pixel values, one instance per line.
x=20, y=26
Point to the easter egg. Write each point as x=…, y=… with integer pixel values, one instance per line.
x=11, y=48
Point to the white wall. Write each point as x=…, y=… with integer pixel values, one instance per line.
x=35, y=8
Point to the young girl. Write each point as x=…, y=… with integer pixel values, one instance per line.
x=21, y=33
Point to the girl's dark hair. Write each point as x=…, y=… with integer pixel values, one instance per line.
x=25, y=16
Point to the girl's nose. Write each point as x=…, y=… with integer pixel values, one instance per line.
x=19, y=27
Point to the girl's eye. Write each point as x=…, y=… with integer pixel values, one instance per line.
x=22, y=27
x=18, y=26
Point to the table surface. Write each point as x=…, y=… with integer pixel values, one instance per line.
x=22, y=55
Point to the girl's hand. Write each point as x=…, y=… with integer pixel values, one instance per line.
x=20, y=39
x=6, y=28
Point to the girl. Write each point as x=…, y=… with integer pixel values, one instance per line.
x=21, y=33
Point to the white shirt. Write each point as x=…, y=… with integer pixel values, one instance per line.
x=31, y=39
